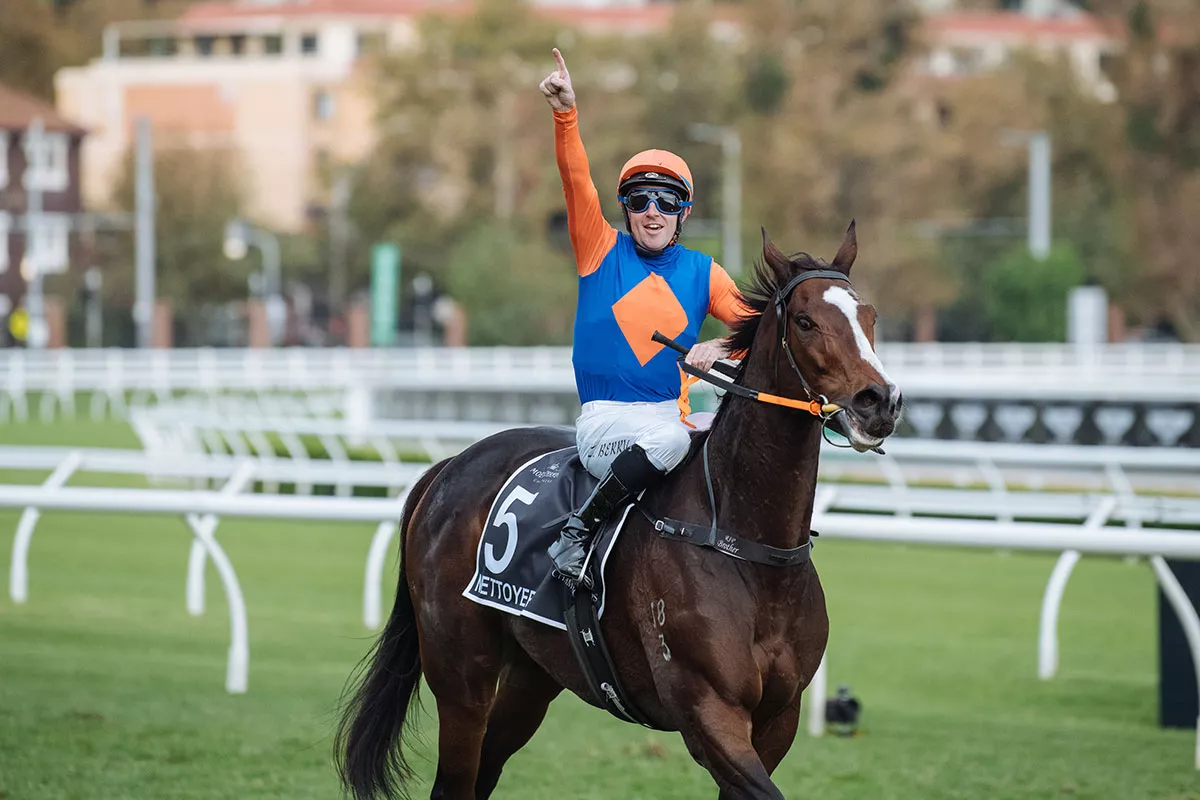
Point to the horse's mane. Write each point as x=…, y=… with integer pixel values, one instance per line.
x=759, y=295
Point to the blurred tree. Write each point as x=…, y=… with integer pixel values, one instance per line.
x=1025, y=300
x=198, y=192
x=1090, y=209
x=684, y=77
x=852, y=137
x=32, y=45
x=502, y=273
x=1158, y=83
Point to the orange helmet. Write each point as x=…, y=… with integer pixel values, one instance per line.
x=656, y=168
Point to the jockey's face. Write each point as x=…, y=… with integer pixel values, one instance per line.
x=652, y=229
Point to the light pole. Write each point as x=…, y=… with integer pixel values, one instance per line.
x=731, y=189
x=31, y=266
x=145, y=243
x=239, y=235
x=1039, y=188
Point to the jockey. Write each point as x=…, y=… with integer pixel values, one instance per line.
x=631, y=284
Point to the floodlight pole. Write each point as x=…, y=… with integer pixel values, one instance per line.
x=731, y=189
x=1040, y=153
x=144, y=243
x=35, y=170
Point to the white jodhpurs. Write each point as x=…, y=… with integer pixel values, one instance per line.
x=606, y=428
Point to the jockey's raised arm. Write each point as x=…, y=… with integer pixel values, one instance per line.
x=591, y=235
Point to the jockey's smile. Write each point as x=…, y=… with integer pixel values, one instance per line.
x=652, y=229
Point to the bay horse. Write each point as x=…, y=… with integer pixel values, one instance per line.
x=713, y=647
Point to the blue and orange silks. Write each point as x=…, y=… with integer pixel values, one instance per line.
x=625, y=297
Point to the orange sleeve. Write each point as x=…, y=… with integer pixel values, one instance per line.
x=725, y=302
x=591, y=235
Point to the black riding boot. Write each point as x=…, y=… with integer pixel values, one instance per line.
x=631, y=472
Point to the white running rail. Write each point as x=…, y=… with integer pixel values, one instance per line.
x=1094, y=487
x=112, y=376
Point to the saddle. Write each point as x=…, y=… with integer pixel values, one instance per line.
x=515, y=574
x=512, y=565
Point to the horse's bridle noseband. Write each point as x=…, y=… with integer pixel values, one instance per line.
x=817, y=404
x=782, y=296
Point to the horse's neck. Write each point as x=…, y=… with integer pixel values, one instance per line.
x=764, y=460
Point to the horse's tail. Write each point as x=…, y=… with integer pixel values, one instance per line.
x=367, y=747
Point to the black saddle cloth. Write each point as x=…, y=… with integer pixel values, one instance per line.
x=513, y=571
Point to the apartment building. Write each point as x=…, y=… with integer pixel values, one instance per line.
x=39, y=197
x=280, y=85
x=283, y=84
x=966, y=43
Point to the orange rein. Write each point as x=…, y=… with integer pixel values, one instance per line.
x=814, y=407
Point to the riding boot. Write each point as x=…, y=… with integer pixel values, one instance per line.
x=631, y=472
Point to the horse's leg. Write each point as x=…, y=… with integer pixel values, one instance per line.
x=718, y=735
x=772, y=738
x=462, y=678
x=524, y=696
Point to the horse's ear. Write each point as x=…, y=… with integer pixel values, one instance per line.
x=780, y=264
x=846, y=254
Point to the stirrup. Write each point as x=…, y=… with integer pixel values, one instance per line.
x=571, y=582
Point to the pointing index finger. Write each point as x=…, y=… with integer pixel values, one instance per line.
x=562, y=65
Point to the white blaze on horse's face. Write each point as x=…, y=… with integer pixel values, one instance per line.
x=848, y=305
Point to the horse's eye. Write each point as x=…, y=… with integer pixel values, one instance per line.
x=804, y=322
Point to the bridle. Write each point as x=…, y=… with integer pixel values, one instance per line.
x=827, y=409
x=816, y=404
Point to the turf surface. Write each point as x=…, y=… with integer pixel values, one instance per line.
x=109, y=689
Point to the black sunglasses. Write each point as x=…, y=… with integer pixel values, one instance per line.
x=665, y=200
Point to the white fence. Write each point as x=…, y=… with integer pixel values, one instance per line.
x=202, y=510
x=250, y=427
x=1093, y=489
x=1113, y=372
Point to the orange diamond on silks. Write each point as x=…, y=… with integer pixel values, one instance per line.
x=648, y=307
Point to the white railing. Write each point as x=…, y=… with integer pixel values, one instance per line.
x=110, y=376
x=248, y=428
x=203, y=367
x=203, y=509
x=1094, y=488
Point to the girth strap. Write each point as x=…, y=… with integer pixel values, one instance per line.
x=723, y=541
x=583, y=631
x=731, y=544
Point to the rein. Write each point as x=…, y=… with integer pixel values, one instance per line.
x=817, y=404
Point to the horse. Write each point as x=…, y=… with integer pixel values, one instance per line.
x=715, y=648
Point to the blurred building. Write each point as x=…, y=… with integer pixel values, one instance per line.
x=966, y=43
x=46, y=170
x=285, y=84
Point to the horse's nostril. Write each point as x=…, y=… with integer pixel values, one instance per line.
x=871, y=398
